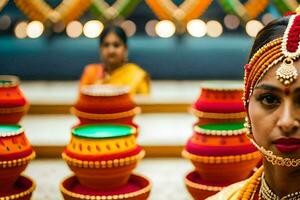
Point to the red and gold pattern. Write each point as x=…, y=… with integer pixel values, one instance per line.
x=221, y=116
x=15, y=154
x=66, y=11
x=203, y=145
x=234, y=168
x=219, y=102
x=225, y=147
x=137, y=188
x=220, y=98
x=104, y=174
x=100, y=99
x=13, y=104
x=116, y=118
x=22, y=191
x=181, y=15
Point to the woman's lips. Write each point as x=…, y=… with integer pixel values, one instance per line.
x=287, y=145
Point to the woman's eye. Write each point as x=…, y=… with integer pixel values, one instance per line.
x=269, y=100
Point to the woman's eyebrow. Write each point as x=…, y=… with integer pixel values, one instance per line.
x=269, y=88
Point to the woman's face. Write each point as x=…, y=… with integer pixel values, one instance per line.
x=274, y=112
x=113, y=50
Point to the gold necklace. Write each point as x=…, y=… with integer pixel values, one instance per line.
x=276, y=160
x=267, y=194
x=249, y=189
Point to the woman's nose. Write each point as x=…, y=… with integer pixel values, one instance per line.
x=287, y=122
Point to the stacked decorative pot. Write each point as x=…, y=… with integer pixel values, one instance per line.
x=219, y=148
x=13, y=105
x=15, y=149
x=102, y=153
x=105, y=104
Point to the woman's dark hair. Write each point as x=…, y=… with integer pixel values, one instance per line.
x=114, y=29
x=273, y=30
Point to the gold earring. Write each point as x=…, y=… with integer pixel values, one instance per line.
x=247, y=125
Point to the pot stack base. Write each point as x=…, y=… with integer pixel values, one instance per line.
x=15, y=150
x=103, y=152
x=219, y=148
x=137, y=188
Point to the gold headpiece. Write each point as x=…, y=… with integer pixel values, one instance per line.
x=285, y=50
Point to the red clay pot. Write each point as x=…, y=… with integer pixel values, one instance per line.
x=105, y=104
x=15, y=154
x=13, y=105
x=22, y=190
x=104, y=99
x=226, y=172
x=222, y=158
x=97, y=176
x=220, y=97
x=105, y=179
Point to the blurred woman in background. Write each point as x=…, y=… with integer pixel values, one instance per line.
x=115, y=69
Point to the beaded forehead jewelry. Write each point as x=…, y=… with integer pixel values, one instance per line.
x=285, y=50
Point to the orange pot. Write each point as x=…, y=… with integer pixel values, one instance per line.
x=104, y=178
x=103, y=155
x=104, y=99
x=227, y=172
x=15, y=154
x=224, y=169
x=105, y=103
x=13, y=104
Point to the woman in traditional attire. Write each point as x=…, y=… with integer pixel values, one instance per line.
x=272, y=100
x=115, y=69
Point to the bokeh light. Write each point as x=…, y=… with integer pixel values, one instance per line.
x=196, y=28
x=165, y=29
x=93, y=28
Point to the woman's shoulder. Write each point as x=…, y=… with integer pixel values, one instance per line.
x=229, y=193
x=93, y=66
x=134, y=68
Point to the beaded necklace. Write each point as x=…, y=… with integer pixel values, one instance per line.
x=267, y=194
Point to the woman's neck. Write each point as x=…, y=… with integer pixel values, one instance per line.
x=282, y=180
x=109, y=68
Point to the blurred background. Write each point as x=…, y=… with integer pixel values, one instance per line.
x=213, y=46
